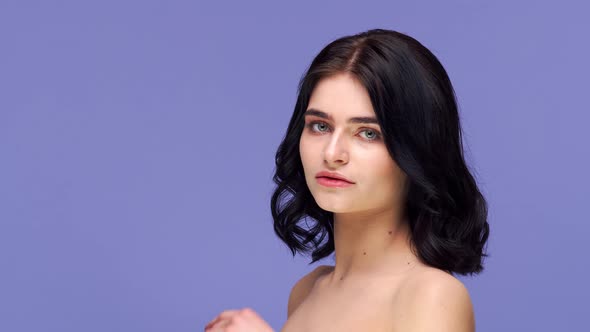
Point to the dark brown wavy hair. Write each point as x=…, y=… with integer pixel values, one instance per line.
x=416, y=107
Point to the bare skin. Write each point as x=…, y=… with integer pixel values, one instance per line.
x=382, y=303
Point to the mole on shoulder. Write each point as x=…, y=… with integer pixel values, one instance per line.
x=364, y=253
x=390, y=232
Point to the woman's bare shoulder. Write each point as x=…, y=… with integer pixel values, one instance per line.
x=424, y=274
x=432, y=296
x=303, y=286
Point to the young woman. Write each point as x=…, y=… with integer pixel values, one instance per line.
x=373, y=159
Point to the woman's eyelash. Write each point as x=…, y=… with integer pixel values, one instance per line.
x=377, y=133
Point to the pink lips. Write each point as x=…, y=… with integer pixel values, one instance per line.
x=331, y=179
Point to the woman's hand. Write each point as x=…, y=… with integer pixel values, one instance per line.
x=242, y=320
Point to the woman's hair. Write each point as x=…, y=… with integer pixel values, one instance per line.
x=416, y=107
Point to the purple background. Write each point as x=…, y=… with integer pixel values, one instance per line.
x=137, y=143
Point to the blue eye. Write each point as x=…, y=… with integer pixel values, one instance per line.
x=375, y=135
x=318, y=123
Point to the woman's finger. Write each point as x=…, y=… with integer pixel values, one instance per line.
x=226, y=314
x=218, y=326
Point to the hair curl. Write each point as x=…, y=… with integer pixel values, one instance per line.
x=416, y=106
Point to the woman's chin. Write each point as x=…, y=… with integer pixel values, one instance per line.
x=334, y=205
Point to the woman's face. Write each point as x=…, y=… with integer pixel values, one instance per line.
x=332, y=142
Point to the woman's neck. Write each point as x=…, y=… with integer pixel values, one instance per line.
x=371, y=244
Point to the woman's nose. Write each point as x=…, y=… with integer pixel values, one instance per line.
x=336, y=150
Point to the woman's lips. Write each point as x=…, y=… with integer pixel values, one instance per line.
x=331, y=182
x=333, y=175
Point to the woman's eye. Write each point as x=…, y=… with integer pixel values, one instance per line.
x=312, y=126
x=373, y=135
x=320, y=125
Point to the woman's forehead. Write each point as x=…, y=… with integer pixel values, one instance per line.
x=341, y=97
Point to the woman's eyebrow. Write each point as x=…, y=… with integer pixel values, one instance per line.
x=324, y=115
